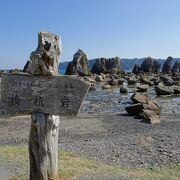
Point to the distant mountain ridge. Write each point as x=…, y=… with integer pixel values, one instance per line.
x=127, y=64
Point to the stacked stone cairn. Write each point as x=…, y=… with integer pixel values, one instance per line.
x=143, y=107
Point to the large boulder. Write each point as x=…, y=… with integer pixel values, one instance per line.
x=142, y=88
x=140, y=98
x=104, y=65
x=167, y=80
x=167, y=65
x=135, y=109
x=150, y=117
x=164, y=90
x=176, y=67
x=144, y=79
x=79, y=65
x=152, y=106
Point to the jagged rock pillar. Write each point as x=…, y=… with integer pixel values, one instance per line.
x=43, y=137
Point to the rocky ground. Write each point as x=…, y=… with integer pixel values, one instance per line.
x=112, y=101
x=115, y=139
x=123, y=140
x=103, y=131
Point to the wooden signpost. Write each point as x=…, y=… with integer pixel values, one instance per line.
x=44, y=95
x=55, y=95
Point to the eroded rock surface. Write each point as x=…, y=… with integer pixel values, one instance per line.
x=176, y=67
x=104, y=65
x=167, y=65
x=45, y=59
x=79, y=65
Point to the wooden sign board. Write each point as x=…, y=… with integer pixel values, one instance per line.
x=58, y=95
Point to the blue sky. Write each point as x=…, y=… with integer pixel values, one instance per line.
x=102, y=28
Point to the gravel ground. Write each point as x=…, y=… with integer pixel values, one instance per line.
x=124, y=141
x=114, y=139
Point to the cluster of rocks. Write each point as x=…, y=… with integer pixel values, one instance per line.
x=165, y=84
x=106, y=81
x=107, y=72
x=168, y=68
x=104, y=65
x=80, y=66
x=150, y=80
x=151, y=65
x=144, y=108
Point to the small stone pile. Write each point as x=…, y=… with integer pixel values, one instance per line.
x=143, y=107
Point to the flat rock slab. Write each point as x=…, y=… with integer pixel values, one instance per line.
x=58, y=95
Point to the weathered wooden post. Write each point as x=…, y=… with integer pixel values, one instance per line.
x=45, y=96
x=43, y=137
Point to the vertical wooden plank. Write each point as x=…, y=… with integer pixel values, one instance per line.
x=43, y=137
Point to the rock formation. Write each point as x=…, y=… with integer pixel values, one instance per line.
x=137, y=69
x=150, y=65
x=157, y=67
x=28, y=67
x=103, y=65
x=176, y=67
x=79, y=65
x=45, y=58
x=167, y=65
